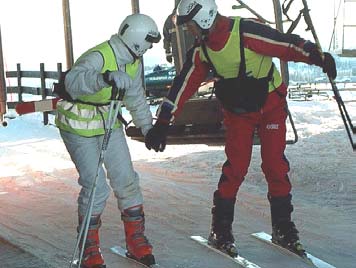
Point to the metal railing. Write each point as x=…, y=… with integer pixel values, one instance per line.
x=39, y=86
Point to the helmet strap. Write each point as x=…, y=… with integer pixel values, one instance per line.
x=204, y=34
x=134, y=56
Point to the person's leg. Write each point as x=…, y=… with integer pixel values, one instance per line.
x=275, y=166
x=123, y=179
x=238, y=149
x=84, y=153
x=125, y=183
x=239, y=139
x=221, y=236
x=138, y=246
x=92, y=257
x=284, y=231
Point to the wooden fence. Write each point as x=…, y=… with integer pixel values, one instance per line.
x=40, y=78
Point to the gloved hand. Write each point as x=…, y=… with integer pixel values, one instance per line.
x=327, y=62
x=120, y=78
x=329, y=66
x=156, y=137
x=169, y=58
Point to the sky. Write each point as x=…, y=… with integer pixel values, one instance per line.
x=33, y=37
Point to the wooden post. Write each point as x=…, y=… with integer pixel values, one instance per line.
x=43, y=90
x=19, y=84
x=59, y=70
x=135, y=4
x=279, y=26
x=68, y=34
x=284, y=65
x=2, y=87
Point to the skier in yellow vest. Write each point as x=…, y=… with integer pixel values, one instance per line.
x=81, y=125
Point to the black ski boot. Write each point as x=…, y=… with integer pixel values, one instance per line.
x=284, y=232
x=221, y=227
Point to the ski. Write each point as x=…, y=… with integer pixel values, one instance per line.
x=239, y=260
x=310, y=259
x=122, y=252
x=75, y=264
x=36, y=106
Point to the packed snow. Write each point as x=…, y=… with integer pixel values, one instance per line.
x=38, y=191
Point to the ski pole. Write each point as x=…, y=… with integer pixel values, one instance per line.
x=114, y=108
x=341, y=105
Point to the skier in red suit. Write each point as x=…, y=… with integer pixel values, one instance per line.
x=253, y=97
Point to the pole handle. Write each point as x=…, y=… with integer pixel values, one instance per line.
x=121, y=94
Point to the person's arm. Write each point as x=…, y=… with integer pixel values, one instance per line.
x=184, y=85
x=265, y=40
x=136, y=104
x=85, y=76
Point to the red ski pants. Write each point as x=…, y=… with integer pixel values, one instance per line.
x=270, y=123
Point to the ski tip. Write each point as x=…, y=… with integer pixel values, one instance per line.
x=238, y=259
x=308, y=258
x=197, y=237
x=262, y=235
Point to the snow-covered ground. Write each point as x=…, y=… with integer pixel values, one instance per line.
x=38, y=191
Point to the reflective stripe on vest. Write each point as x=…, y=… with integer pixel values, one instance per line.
x=87, y=120
x=227, y=60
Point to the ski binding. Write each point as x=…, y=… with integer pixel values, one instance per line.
x=239, y=260
x=122, y=252
x=310, y=259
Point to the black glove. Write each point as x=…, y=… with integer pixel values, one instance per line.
x=327, y=62
x=329, y=66
x=169, y=57
x=156, y=137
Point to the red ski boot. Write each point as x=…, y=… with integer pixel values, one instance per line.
x=92, y=257
x=137, y=245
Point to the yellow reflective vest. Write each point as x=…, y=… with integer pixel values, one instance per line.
x=227, y=60
x=86, y=119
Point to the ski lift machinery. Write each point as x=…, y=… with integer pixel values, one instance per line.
x=304, y=12
x=344, y=29
x=350, y=128
x=201, y=119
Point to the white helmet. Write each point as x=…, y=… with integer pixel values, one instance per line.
x=203, y=12
x=138, y=32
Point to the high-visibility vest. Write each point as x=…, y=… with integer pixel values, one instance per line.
x=227, y=60
x=85, y=119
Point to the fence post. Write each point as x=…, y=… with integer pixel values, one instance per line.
x=59, y=70
x=43, y=91
x=19, y=85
